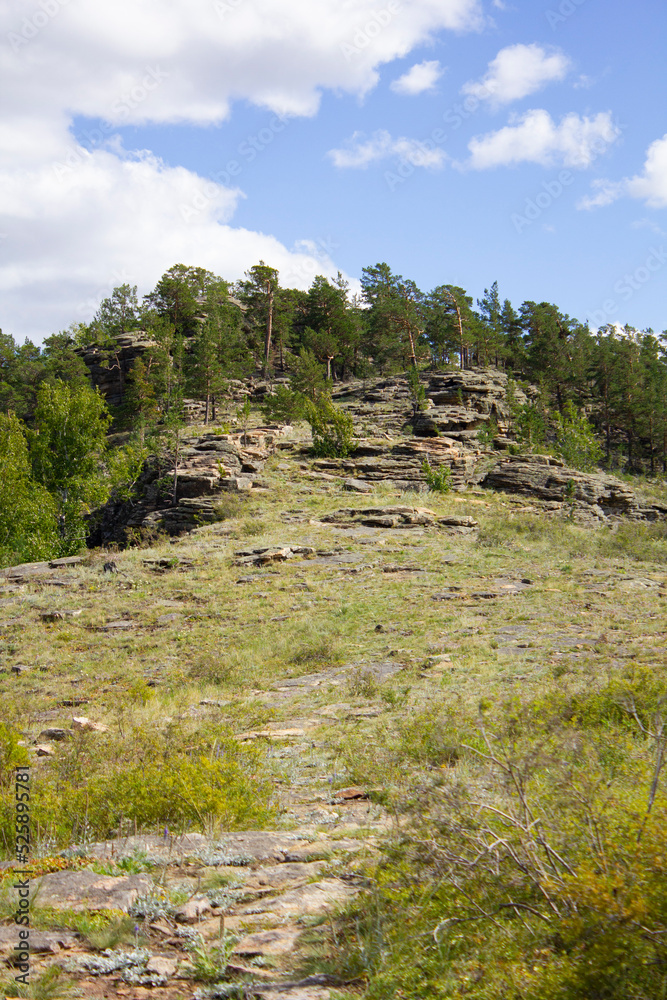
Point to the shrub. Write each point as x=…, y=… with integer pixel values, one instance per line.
x=576, y=442
x=417, y=391
x=98, y=784
x=437, y=479
x=534, y=871
x=331, y=427
x=28, y=526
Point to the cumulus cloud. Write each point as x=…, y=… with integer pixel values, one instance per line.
x=90, y=221
x=360, y=151
x=535, y=138
x=76, y=222
x=421, y=78
x=89, y=57
x=650, y=185
x=516, y=72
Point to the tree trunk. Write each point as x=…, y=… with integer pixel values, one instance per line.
x=269, y=327
x=176, y=456
x=413, y=356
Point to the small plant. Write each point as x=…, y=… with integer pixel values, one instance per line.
x=210, y=966
x=417, y=391
x=332, y=428
x=570, y=498
x=437, y=479
x=316, y=652
x=576, y=442
x=243, y=414
x=52, y=984
x=362, y=684
x=487, y=434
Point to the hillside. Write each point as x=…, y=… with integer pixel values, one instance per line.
x=293, y=751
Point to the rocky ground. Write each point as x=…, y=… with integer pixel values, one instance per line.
x=313, y=623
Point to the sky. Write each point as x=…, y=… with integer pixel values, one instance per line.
x=461, y=141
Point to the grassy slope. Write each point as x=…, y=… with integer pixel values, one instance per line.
x=592, y=616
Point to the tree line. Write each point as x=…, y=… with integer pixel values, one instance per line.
x=203, y=331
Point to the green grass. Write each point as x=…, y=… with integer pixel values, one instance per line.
x=551, y=676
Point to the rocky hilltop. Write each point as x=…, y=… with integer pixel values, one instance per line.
x=394, y=440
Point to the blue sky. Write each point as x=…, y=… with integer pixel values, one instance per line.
x=461, y=141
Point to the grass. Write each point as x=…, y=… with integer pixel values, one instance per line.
x=548, y=675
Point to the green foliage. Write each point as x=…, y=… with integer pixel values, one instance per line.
x=210, y=965
x=28, y=527
x=331, y=427
x=282, y=405
x=118, y=313
x=528, y=420
x=12, y=754
x=308, y=377
x=487, y=434
x=176, y=779
x=52, y=984
x=417, y=391
x=532, y=866
x=66, y=450
x=576, y=442
x=438, y=478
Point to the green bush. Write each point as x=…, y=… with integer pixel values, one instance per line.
x=536, y=869
x=28, y=526
x=438, y=479
x=332, y=428
x=576, y=442
x=98, y=784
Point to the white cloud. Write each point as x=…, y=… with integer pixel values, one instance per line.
x=650, y=185
x=67, y=236
x=606, y=192
x=360, y=152
x=516, y=72
x=90, y=221
x=422, y=77
x=90, y=57
x=536, y=138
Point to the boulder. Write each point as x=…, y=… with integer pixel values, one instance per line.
x=597, y=495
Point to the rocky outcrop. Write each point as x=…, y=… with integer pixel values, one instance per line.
x=109, y=368
x=397, y=517
x=401, y=464
x=208, y=466
x=597, y=496
x=463, y=402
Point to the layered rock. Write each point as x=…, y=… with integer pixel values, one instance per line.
x=463, y=402
x=109, y=369
x=402, y=464
x=208, y=466
x=545, y=478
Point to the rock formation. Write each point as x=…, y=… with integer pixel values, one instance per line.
x=598, y=495
x=208, y=466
